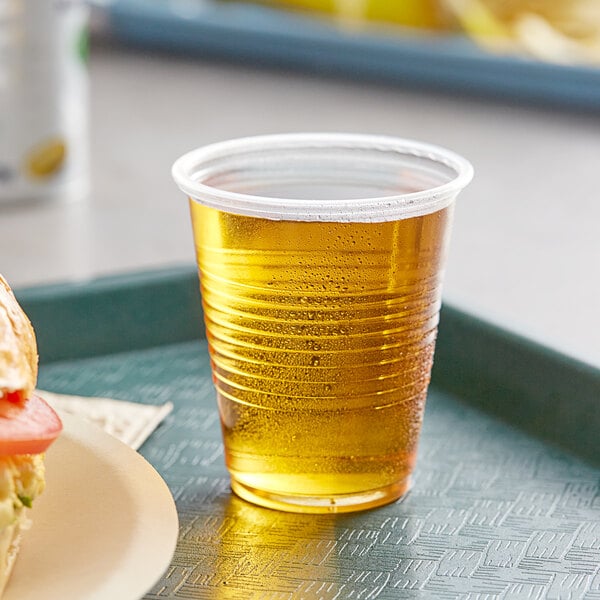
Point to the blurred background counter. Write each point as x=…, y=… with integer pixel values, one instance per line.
x=525, y=251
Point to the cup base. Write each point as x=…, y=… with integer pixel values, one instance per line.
x=342, y=503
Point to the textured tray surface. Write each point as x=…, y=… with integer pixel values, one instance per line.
x=493, y=513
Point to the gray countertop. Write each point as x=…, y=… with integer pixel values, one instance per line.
x=525, y=250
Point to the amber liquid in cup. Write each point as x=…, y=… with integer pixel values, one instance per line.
x=321, y=336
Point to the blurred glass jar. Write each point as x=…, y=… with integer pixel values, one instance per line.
x=43, y=100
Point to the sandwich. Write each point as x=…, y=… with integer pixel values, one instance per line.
x=28, y=425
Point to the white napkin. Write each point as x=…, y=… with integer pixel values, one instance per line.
x=130, y=422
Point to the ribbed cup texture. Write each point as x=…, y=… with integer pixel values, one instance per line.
x=321, y=338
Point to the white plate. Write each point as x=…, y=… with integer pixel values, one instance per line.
x=105, y=528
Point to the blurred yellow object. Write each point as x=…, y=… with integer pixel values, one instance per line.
x=412, y=13
x=428, y=14
x=46, y=159
x=564, y=31
x=415, y=13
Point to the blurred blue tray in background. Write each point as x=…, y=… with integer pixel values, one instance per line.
x=263, y=35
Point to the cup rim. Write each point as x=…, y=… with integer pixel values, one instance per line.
x=185, y=172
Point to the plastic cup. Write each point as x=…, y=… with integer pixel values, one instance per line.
x=321, y=259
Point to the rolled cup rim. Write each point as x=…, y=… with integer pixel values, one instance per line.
x=186, y=169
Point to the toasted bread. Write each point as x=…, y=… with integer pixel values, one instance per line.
x=18, y=348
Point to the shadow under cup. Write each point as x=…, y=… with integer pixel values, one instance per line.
x=321, y=259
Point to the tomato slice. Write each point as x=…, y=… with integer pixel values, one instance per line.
x=28, y=426
x=17, y=396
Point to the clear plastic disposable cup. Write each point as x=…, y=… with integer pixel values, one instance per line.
x=321, y=259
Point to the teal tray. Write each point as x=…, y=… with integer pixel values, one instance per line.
x=506, y=496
